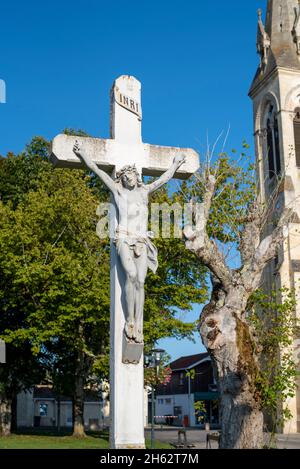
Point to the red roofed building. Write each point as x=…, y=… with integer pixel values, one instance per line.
x=192, y=381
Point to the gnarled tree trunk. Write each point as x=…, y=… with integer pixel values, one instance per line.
x=228, y=339
x=78, y=396
x=5, y=415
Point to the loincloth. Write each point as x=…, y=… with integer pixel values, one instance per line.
x=138, y=243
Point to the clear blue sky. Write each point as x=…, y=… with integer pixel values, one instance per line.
x=195, y=59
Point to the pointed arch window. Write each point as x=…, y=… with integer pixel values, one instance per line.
x=277, y=146
x=273, y=144
x=297, y=136
x=270, y=149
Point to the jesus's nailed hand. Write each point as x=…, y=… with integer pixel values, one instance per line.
x=77, y=148
x=179, y=160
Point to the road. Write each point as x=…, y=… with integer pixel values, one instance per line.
x=198, y=438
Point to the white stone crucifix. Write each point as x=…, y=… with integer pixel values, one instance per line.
x=120, y=162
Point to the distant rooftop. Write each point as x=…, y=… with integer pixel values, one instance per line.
x=184, y=363
x=46, y=392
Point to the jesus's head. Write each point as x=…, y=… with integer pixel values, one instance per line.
x=129, y=177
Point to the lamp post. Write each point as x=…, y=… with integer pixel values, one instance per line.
x=153, y=360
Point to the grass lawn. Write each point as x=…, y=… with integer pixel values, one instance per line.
x=43, y=439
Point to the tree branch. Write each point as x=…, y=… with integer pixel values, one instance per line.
x=199, y=242
x=250, y=235
x=266, y=250
x=269, y=245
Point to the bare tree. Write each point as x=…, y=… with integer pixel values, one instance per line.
x=225, y=331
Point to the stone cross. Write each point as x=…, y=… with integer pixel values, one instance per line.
x=111, y=155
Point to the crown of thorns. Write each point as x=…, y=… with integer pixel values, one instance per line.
x=127, y=169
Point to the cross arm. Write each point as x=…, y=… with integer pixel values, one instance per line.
x=87, y=158
x=108, y=154
x=101, y=152
x=160, y=160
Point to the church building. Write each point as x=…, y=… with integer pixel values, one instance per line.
x=275, y=92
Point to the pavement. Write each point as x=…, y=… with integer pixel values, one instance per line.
x=197, y=437
x=290, y=441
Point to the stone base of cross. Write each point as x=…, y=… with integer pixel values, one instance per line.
x=111, y=155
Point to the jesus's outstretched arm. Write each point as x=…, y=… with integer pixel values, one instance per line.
x=167, y=176
x=105, y=178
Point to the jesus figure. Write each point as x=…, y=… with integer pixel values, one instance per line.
x=133, y=242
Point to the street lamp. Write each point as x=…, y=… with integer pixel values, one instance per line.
x=153, y=360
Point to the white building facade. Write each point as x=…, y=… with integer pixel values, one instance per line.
x=39, y=408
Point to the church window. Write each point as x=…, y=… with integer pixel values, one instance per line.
x=270, y=149
x=277, y=146
x=273, y=144
x=297, y=136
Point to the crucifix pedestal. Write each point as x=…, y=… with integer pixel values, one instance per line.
x=124, y=148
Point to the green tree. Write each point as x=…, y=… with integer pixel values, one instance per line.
x=20, y=175
x=51, y=253
x=52, y=261
x=178, y=285
x=276, y=327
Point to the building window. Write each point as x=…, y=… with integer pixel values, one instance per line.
x=297, y=136
x=168, y=401
x=43, y=410
x=277, y=146
x=270, y=149
x=178, y=413
x=181, y=379
x=273, y=144
x=160, y=401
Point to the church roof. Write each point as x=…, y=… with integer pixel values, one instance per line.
x=278, y=41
